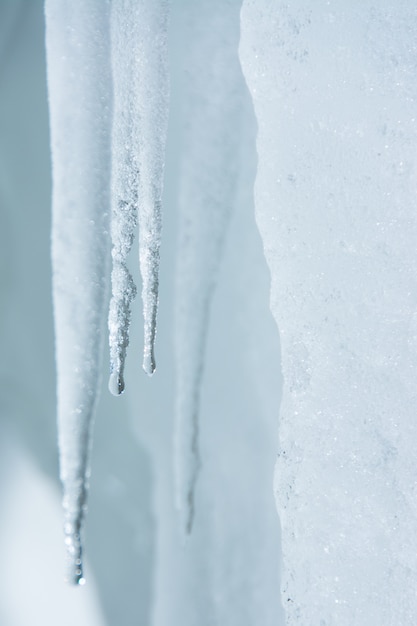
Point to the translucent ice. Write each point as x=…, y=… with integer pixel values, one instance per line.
x=77, y=42
x=140, y=82
x=209, y=167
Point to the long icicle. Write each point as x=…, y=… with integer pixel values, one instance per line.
x=79, y=82
x=124, y=194
x=139, y=63
x=152, y=97
x=209, y=170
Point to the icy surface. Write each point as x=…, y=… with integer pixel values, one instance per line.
x=212, y=113
x=335, y=95
x=140, y=82
x=228, y=572
x=77, y=41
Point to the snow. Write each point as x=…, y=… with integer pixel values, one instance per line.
x=335, y=98
x=77, y=43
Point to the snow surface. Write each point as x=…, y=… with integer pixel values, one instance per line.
x=335, y=95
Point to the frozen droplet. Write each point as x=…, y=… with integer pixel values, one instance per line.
x=116, y=384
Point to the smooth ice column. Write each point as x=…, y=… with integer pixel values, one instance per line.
x=139, y=63
x=335, y=92
x=77, y=43
x=208, y=171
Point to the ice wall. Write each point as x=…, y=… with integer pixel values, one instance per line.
x=334, y=89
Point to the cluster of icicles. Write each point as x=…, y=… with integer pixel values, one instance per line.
x=109, y=101
x=108, y=93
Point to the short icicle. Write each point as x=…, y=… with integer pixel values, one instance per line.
x=77, y=44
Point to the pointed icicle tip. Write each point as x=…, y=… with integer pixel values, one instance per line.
x=149, y=364
x=75, y=575
x=74, y=563
x=116, y=384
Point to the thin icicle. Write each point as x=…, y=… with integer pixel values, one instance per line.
x=139, y=61
x=152, y=93
x=124, y=195
x=209, y=167
x=77, y=42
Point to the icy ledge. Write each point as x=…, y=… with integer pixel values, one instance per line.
x=335, y=97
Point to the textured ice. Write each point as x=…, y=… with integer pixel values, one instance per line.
x=335, y=95
x=208, y=179
x=140, y=84
x=77, y=42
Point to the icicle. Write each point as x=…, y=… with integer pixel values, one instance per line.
x=208, y=181
x=139, y=60
x=124, y=186
x=77, y=43
x=152, y=114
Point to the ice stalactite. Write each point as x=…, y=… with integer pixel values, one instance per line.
x=98, y=50
x=79, y=82
x=152, y=111
x=140, y=78
x=208, y=170
x=124, y=193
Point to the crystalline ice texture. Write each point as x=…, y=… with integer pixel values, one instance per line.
x=77, y=41
x=335, y=96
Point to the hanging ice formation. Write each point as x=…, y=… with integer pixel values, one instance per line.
x=140, y=87
x=85, y=41
x=77, y=42
x=207, y=193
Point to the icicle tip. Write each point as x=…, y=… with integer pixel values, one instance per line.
x=149, y=364
x=76, y=577
x=74, y=564
x=116, y=384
